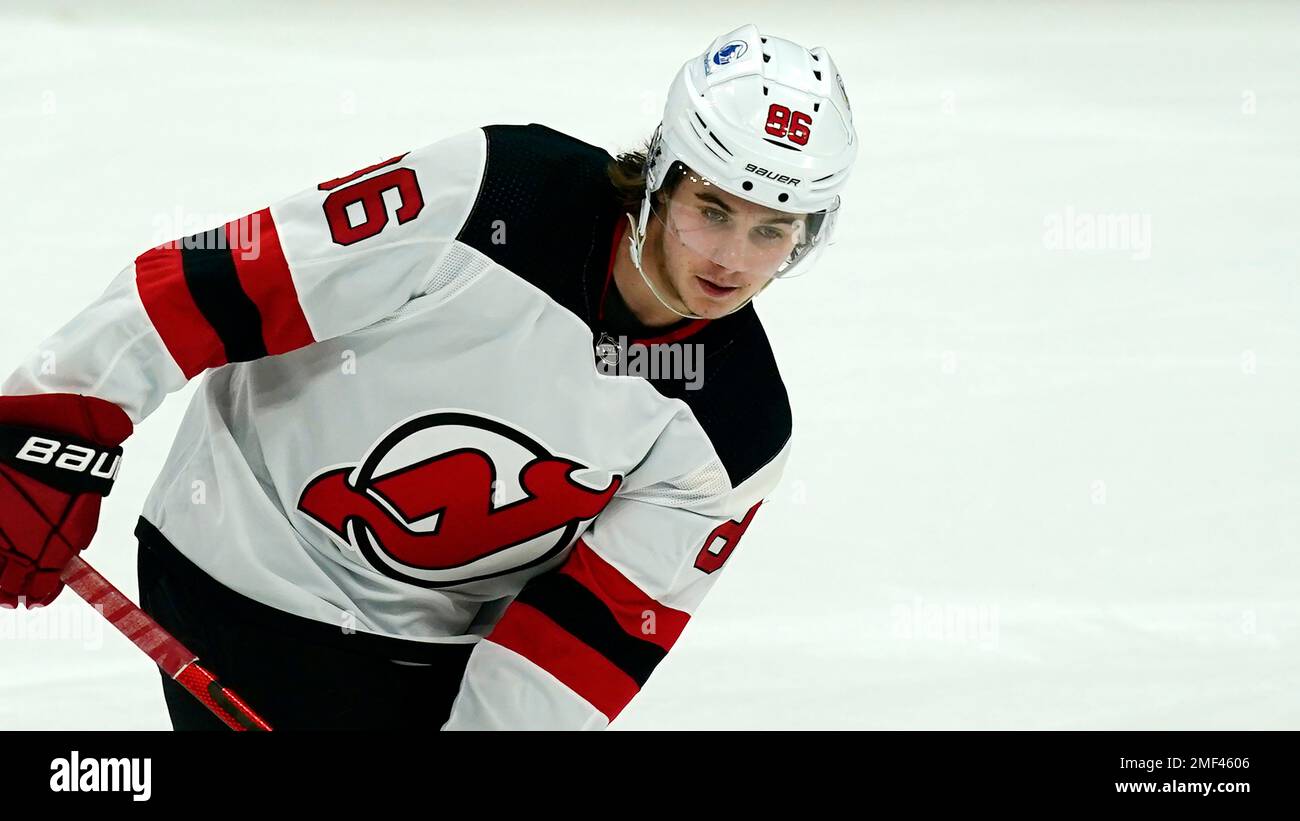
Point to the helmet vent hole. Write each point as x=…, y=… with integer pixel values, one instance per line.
x=783, y=197
x=764, y=91
x=747, y=185
x=817, y=74
x=764, y=39
x=816, y=106
x=767, y=57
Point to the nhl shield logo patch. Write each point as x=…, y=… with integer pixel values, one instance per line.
x=452, y=497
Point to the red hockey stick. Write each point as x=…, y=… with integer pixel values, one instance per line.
x=173, y=657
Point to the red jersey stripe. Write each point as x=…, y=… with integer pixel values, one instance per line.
x=627, y=602
x=619, y=229
x=192, y=342
x=264, y=275
x=530, y=633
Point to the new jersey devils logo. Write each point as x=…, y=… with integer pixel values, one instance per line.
x=452, y=497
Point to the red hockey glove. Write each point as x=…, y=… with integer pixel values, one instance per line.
x=59, y=454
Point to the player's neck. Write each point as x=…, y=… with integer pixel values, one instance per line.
x=640, y=300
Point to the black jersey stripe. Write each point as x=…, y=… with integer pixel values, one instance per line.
x=576, y=609
x=213, y=282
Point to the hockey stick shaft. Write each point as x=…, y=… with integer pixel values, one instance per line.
x=174, y=658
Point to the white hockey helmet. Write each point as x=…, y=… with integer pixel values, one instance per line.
x=763, y=119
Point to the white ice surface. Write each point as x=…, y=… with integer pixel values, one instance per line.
x=1088, y=463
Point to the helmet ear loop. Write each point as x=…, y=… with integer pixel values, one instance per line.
x=636, y=236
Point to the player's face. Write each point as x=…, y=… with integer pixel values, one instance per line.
x=716, y=250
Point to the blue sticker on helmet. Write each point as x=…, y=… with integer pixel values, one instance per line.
x=729, y=53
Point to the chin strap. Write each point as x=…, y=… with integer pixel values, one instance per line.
x=636, y=236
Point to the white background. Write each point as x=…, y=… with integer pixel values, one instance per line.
x=1032, y=486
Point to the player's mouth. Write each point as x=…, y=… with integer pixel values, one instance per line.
x=714, y=290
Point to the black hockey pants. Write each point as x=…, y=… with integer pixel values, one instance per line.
x=297, y=673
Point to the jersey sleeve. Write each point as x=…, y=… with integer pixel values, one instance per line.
x=579, y=642
x=328, y=260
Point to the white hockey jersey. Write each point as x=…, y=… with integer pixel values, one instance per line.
x=408, y=423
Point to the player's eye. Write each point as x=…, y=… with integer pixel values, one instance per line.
x=714, y=215
x=770, y=233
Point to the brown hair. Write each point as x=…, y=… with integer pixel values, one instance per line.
x=626, y=173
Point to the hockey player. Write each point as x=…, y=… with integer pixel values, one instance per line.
x=414, y=488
